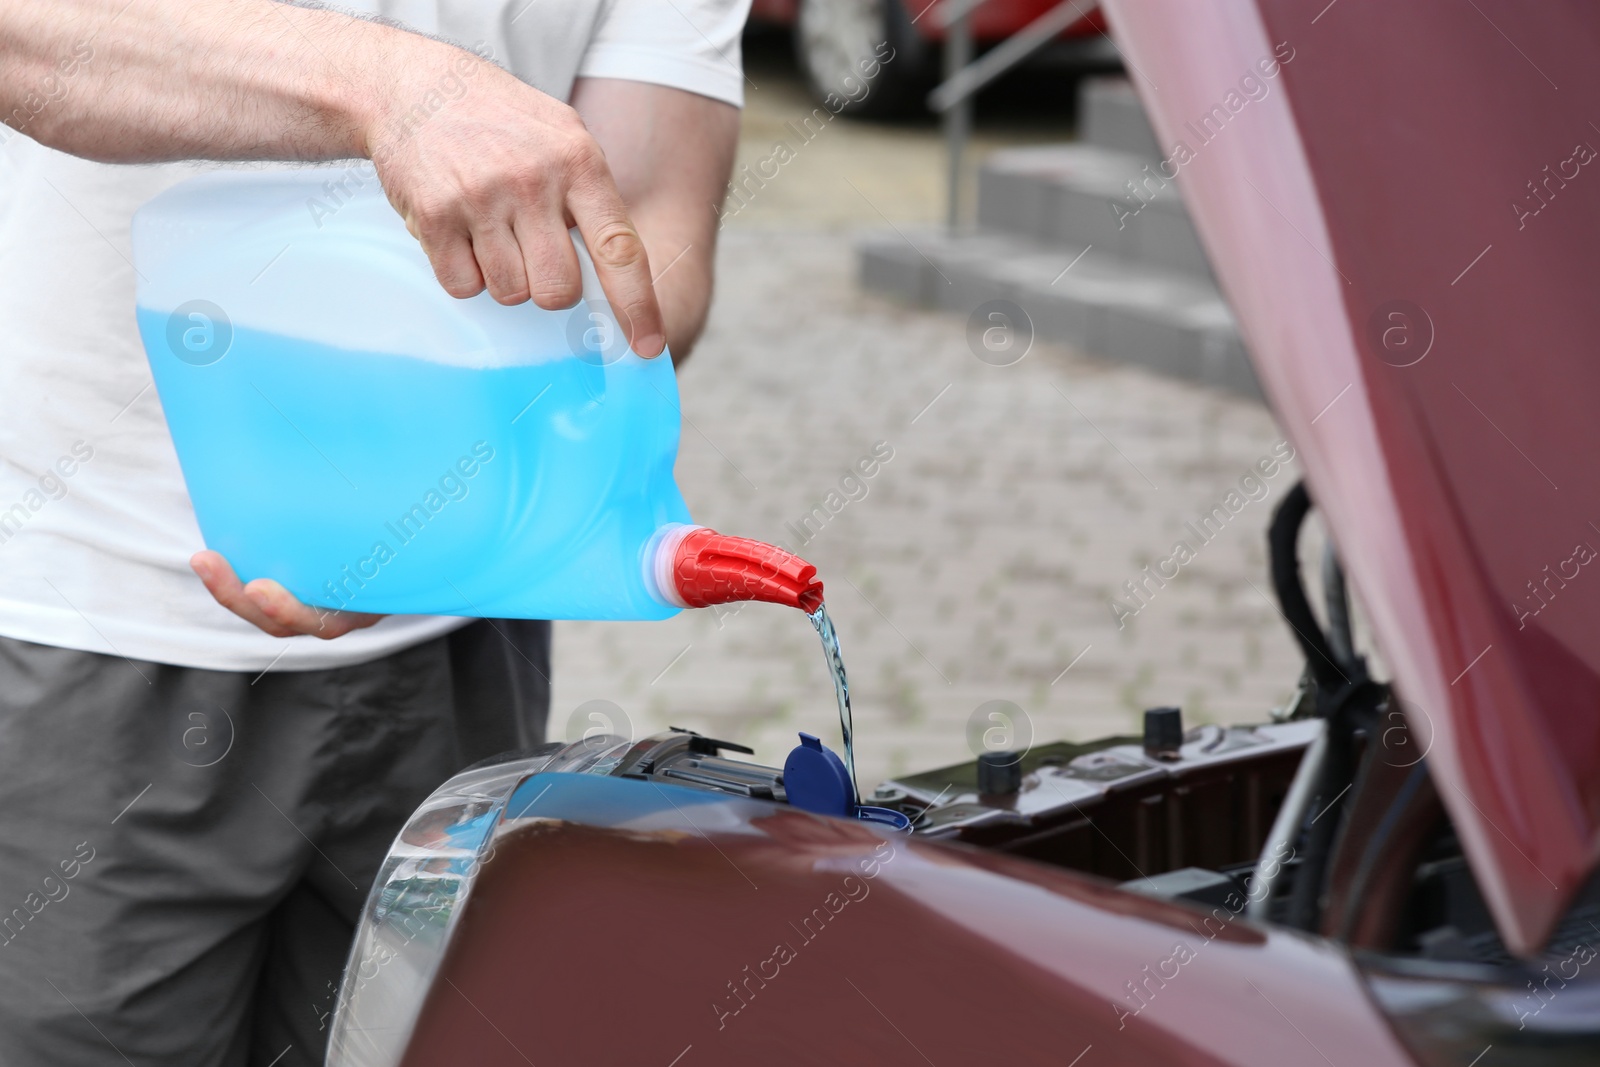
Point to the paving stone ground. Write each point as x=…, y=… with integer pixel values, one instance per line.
x=979, y=563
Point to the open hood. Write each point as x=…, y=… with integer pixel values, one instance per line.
x=1405, y=215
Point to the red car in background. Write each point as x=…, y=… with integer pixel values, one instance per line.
x=836, y=40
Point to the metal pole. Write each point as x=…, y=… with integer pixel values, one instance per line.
x=957, y=119
x=1007, y=54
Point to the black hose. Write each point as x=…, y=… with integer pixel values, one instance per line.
x=1345, y=702
x=1336, y=600
x=1283, y=539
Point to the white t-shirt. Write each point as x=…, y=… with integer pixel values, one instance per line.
x=96, y=528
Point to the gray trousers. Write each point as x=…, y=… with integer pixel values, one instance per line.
x=183, y=853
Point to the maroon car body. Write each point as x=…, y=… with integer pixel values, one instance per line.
x=1410, y=254
x=730, y=933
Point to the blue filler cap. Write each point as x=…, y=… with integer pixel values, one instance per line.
x=815, y=779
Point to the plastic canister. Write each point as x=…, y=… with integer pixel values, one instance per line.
x=348, y=428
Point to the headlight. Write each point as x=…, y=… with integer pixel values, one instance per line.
x=421, y=888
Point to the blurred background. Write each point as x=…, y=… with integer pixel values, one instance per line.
x=1050, y=395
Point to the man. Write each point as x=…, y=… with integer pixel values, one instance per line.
x=198, y=778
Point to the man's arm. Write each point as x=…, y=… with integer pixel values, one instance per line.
x=671, y=152
x=489, y=183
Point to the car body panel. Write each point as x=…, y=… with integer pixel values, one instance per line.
x=655, y=919
x=1450, y=448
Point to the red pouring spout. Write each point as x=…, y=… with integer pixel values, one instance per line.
x=697, y=567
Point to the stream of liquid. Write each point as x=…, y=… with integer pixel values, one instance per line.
x=841, y=689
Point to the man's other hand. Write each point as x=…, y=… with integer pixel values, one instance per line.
x=269, y=606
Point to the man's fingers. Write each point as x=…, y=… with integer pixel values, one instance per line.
x=449, y=248
x=501, y=220
x=554, y=281
x=280, y=606
x=500, y=261
x=270, y=607
x=620, y=262
x=225, y=587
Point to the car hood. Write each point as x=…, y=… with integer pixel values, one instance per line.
x=1403, y=214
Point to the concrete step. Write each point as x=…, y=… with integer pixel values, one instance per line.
x=1084, y=194
x=1169, y=321
x=1111, y=116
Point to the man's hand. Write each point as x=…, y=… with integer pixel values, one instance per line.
x=488, y=179
x=269, y=606
x=491, y=182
